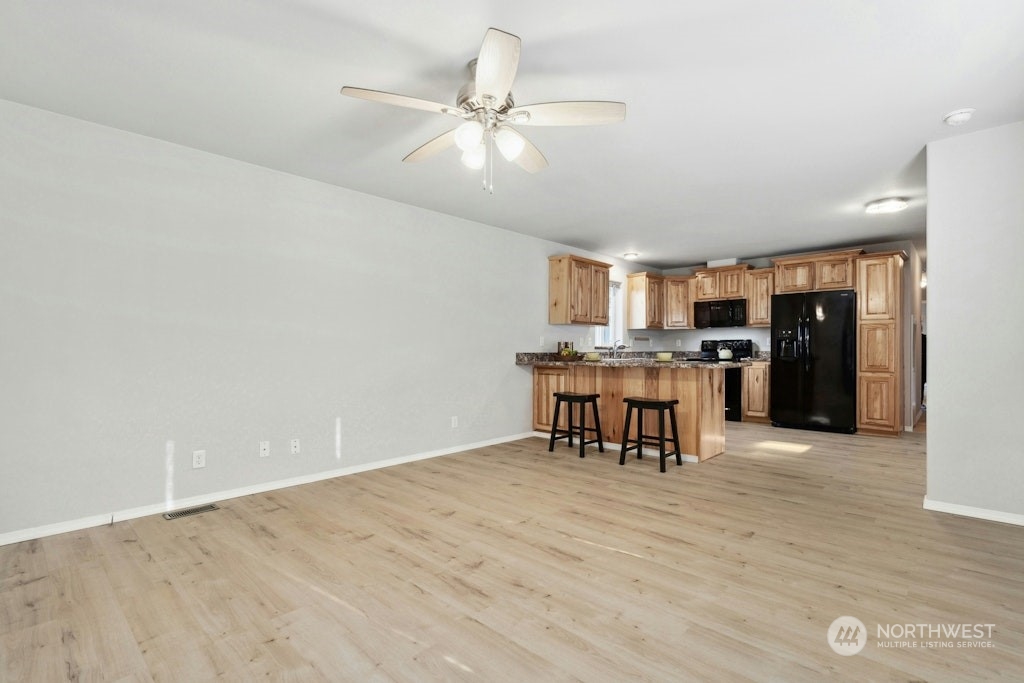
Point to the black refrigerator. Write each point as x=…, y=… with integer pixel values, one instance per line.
x=814, y=361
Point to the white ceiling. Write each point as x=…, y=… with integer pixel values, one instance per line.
x=753, y=128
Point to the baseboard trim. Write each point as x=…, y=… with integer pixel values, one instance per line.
x=977, y=513
x=160, y=508
x=617, y=446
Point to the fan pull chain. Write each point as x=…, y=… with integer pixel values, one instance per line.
x=489, y=163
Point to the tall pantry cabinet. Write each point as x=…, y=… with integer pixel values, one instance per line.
x=879, y=347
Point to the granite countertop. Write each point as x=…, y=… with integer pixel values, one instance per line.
x=641, y=359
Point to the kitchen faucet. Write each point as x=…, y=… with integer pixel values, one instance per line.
x=617, y=346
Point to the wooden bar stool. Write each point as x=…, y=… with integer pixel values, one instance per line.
x=641, y=404
x=581, y=430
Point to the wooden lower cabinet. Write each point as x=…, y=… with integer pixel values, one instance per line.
x=756, y=392
x=546, y=381
x=877, y=402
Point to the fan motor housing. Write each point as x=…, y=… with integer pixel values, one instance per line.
x=469, y=101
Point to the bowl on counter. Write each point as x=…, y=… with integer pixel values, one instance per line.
x=592, y=356
x=663, y=356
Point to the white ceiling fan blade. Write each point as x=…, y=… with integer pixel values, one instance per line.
x=568, y=114
x=496, y=66
x=438, y=144
x=397, y=100
x=530, y=159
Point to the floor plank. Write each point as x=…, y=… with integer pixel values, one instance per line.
x=512, y=563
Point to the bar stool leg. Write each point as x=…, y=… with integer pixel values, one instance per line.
x=661, y=439
x=597, y=424
x=625, y=435
x=583, y=428
x=639, y=432
x=554, y=425
x=570, y=425
x=675, y=435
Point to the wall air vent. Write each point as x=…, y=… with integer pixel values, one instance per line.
x=190, y=511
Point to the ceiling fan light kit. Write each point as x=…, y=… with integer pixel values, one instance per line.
x=887, y=205
x=958, y=117
x=486, y=105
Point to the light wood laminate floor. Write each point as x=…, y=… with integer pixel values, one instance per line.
x=508, y=563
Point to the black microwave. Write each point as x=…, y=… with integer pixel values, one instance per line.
x=724, y=313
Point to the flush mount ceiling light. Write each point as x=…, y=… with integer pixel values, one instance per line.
x=631, y=256
x=488, y=110
x=887, y=205
x=958, y=117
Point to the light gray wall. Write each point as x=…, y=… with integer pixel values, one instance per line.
x=975, y=321
x=156, y=299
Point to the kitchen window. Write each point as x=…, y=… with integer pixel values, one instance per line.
x=606, y=335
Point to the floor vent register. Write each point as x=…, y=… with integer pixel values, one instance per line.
x=190, y=511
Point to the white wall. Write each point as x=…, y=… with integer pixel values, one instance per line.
x=975, y=321
x=156, y=299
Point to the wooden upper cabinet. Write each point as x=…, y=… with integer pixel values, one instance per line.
x=582, y=292
x=599, y=300
x=878, y=280
x=732, y=282
x=705, y=286
x=577, y=291
x=645, y=301
x=760, y=287
x=794, y=277
x=727, y=282
x=810, y=272
x=834, y=273
x=678, y=309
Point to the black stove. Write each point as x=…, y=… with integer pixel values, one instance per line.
x=741, y=348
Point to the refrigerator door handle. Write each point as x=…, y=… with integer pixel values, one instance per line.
x=800, y=338
x=807, y=344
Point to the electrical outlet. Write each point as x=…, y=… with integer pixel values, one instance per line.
x=295, y=446
x=264, y=449
x=679, y=342
x=198, y=459
x=455, y=421
x=542, y=342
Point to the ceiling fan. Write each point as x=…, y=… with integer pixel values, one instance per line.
x=486, y=106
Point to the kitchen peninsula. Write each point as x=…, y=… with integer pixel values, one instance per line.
x=699, y=387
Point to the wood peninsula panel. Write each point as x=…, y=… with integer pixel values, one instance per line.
x=701, y=410
x=700, y=413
